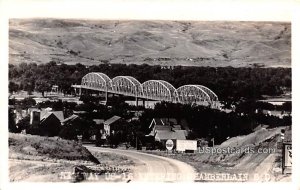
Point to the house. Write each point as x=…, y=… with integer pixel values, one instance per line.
x=166, y=124
x=163, y=129
x=108, y=123
x=50, y=125
x=114, y=124
x=161, y=135
x=46, y=122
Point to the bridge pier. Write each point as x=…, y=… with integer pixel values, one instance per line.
x=77, y=91
x=136, y=101
x=106, y=97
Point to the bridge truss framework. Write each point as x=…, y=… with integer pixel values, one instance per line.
x=158, y=90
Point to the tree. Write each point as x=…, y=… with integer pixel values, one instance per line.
x=227, y=82
x=13, y=87
x=24, y=123
x=26, y=103
x=42, y=86
x=11, y=121
x=78, y=126
x=58, y=105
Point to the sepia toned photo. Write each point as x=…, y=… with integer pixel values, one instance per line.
x=149, y=101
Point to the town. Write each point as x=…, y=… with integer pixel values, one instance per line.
x=117, y=119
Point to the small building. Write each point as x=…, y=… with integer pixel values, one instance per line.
x=114, y=124
x=50, y=124
x=46, y=122
x=163, y=129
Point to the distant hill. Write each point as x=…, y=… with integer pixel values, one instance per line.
x=198, y=43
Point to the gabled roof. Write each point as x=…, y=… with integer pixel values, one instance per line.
x=48, y=116
x=158, y=121
x=165, y=121
x=46, y=113
x=112, y=120
x=71, y=118
x=98, y=121
x=165, y=135
x=168, y=121
x=162, y=127
x=177, y=127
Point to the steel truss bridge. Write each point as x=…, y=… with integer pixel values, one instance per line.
x=157, y=90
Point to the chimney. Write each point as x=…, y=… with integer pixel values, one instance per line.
x=35, y=118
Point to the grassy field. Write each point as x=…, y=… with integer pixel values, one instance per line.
x=50, y=159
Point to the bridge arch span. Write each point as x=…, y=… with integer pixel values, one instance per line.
x=171, y=88
x=159, y=90
x=211, y=94
x=189, y=94
x=96, y=80
x=127, y=85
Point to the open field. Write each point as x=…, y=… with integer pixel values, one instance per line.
x=89, y=42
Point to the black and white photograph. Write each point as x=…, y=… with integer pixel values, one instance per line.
x=94, y=100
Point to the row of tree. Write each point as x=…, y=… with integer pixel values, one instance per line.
x=227, y=82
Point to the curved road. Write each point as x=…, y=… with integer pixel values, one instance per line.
x=150, y=167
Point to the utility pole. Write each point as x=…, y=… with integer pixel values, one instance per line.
x=283, y=150
x=136, y=142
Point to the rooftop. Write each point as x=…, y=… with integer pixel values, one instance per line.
x=47, y=113
x=71, y=118
x=98, y=121
x=165, y=135
x=112, y=120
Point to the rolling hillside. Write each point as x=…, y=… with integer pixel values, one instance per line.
x=90, y=42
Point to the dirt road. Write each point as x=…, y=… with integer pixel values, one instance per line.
x=151, y=167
